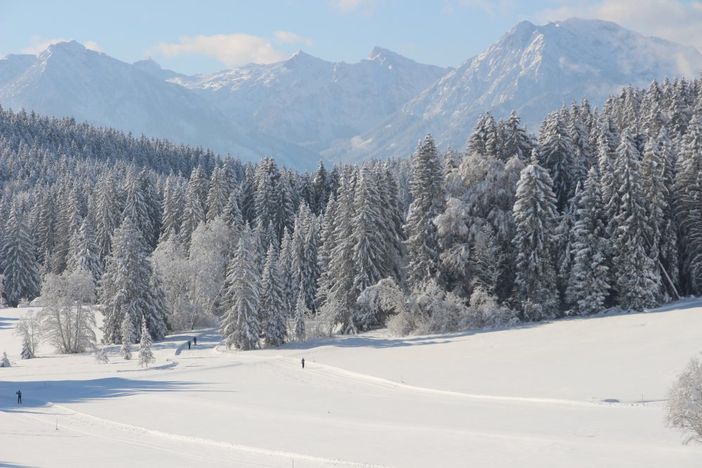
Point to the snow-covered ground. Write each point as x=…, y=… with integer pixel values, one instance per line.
x=576, y=393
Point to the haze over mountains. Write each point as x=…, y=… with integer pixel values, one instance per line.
x=304, y=108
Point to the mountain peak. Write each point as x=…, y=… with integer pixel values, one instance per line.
x=382, y=54
x=67, y=46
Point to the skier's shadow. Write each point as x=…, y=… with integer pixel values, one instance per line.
x=39, y=393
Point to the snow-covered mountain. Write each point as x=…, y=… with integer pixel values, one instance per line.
x=304, y=108
x=291, y=110
x=69, y=80
x=313, y=102
x=533, y=70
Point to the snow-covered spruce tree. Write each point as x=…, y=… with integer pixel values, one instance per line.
x=684, y=405
x=267, y=198
x=535, y=218
x=84, y=254
x=688, y=186
x=303, y=250
x=68, y=221
x=516, y=139
x=241, y=324
x=128, y=334
x=337, y=309
x=136, y=205
x=288, y=288
x=324, y=256
x=146, y=356
x=301, y=312
x=320, y=190
x=369, y=248
x=171, y=208
x=588, y=287
x=107, y=214
x=556, y=155
x=125, y=285
x=218, y=195
x=272, y=307
x=232, y=213
x=484, y=139
x=668, y=248
x=427, y=189
x=45, y=228
x=195, y=205
x=26, y=352
x=67, y=320
x=18, y=260
x=392, y=214
x=636, y=279
x=4, y=360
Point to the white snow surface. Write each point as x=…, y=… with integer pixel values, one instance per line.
x=577, y=393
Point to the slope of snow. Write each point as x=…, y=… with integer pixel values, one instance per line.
x=577, y=393
x=533, y=70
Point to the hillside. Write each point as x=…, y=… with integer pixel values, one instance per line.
x=582, y=392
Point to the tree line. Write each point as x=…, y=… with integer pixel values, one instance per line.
x=600, y=209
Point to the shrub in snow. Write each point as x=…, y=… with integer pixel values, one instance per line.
x=484, y=311
x=4, y=362
x=444, y=311
x=65, y=319
x=101, y=355
x=684, y=407
x=29, y=328
x=377, y=302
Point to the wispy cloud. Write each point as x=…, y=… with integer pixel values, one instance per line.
x=287, y=37
x=39, y=44
x=230, y=49
x=355, y=6
x=675, y=20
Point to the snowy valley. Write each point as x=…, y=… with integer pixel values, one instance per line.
x=308, y=263
x=595, y=398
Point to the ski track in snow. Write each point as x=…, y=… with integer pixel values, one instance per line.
x=131, y=434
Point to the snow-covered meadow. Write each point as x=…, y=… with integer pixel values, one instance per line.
x=582, y=392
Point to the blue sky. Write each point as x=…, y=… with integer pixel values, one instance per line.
x=205, y=36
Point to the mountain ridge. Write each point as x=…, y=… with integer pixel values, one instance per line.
x=304, y=108
x=532, y=70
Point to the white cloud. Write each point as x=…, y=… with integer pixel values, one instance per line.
x=675, y=20
x=350, y=6
x=230, y=49
x=92, y=45
x=287, y=37
x=39, y=44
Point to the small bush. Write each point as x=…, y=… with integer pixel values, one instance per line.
x=684, y=408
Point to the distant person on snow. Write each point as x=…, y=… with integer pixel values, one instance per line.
x=19, y=397
x=303, y=363
x=194, y=340
x=188, y=344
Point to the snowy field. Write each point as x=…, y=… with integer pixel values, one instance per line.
x=576, y=393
